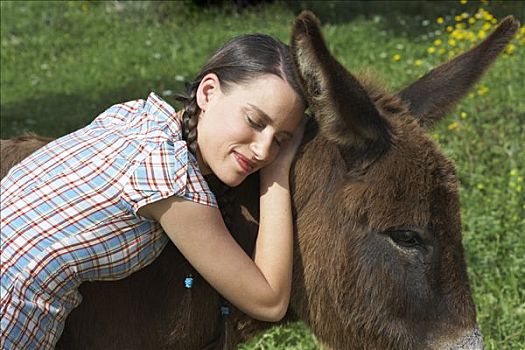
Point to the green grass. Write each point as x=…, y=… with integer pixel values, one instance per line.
x=63, y=63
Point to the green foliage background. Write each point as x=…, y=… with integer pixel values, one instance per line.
x=62, y=63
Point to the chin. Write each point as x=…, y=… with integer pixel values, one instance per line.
x=235, y=182
x=231, y=180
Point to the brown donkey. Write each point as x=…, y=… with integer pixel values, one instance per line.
x=378, y=255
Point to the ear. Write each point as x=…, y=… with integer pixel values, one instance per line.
x=209, y=86
x=343, y=109
x=433, y=95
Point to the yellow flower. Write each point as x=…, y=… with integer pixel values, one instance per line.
x=442, y=50
x=453, y=126
x=431, y=49
x=493, y=21
x=481, y=34
x=440, y=20
x=472, y=20
x=480, y=186
x=464, y=15
x=462, y=2
x=438, y=42
x=482, y=90
x=510, y=49
x=463, y=115
x=396, y=57
x=450, y=28
x=487, y=16
x=418, y=62
x=452, y=42
x=457, y=34
x=460, y=25
x=458, y=18
x=486, y=26
x=514, y=172
x=471, y=95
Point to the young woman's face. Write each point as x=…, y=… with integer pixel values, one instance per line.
x=241, y=131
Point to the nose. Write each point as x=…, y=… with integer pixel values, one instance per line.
x=262, y=146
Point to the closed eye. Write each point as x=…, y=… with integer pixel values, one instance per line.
x=259, y=127
x=282, y=138
x=255, y=125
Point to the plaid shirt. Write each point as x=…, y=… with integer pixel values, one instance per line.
x=69, y=214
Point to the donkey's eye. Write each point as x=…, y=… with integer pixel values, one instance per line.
x=405, y=238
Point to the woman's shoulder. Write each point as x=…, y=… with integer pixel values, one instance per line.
x=142, y=118
x=165, y=114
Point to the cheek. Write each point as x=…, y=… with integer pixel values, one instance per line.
x=239, y=133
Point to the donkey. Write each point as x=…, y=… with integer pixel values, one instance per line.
x=378, y=257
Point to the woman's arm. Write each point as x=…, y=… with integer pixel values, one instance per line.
x=261, y=289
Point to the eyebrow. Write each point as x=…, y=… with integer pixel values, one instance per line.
x=267, y=118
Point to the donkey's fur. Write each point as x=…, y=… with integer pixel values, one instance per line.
x=378, y=260
x=18, y=148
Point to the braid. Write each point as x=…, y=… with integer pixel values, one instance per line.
x=190, y=117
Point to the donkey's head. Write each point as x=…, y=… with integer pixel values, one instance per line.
x=377, y=205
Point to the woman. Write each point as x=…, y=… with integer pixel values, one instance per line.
x=103, y=201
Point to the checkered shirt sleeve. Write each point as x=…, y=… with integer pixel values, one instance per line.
x=168, y=170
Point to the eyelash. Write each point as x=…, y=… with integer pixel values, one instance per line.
x=260, y=127
x=254, y=124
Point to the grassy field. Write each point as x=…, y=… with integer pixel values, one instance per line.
x=62, y=63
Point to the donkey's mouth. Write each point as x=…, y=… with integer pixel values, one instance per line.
x=470, y=340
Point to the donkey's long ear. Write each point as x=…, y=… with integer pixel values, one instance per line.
x=341, y=105
x=433, y=95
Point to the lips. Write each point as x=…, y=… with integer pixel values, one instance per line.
x=246, y=165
